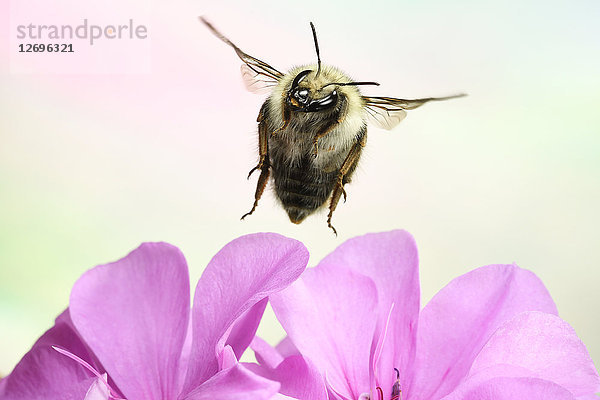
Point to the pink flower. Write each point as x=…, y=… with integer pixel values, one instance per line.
x=358, y=333
x=129, y=331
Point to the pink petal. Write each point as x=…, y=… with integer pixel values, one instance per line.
x=266, y=355
x=44, y=374
x=329, y=315
x=65, y=336
x=460, y=319
x=186, y=352
x=234, y=383
x=270, y=356
x=546, y=346
x=512, y=389
x=244, y=329
x=133, y=313
x=392, y=261
x=45, y=365
x=287, y=348
x=239, y=277
x=98, y=390
x=298, y=377
x=227, y=358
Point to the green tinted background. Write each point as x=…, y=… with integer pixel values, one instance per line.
x=92, y=165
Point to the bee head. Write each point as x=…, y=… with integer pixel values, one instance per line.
x=309, y=93
x=300, y=97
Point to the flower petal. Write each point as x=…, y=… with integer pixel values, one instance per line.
x=287, y=348
x=459, y=320
x=265, y=354
x=44, y=374
x=57, y=375
x=329, y=316
x=134, y=314
x=511, y=389
x=298, y=377
x=236, y=382
x=99, y=390
x=241, y=275
x=391, y=260
x=279, y=396
x=546, y=346
x=244, y=329
x=65, y=336
x=227, y=358
x=270, y=356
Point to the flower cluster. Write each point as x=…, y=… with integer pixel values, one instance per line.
x=356, y=330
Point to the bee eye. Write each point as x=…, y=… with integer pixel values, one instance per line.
x=299, y=96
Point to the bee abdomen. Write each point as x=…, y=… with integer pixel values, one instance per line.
x=302, y=190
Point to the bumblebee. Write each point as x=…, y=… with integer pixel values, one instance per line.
x=312, y=130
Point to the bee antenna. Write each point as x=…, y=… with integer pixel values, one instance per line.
x=312, y=26
x=351, y=84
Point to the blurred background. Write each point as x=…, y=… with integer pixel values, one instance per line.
x=93, y=164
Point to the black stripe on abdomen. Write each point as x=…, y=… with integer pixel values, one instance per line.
x=302, y=189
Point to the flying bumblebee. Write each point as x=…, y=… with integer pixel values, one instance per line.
x=312, y=129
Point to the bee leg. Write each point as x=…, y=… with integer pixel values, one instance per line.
x=338, y=191
x=263, y=145
x=328, y=128
x=347, y=167
x=286, y=119
x=325, y=131
x=261, y=113
x=263, y=164
x=265, y=171
x=259, y=166
x=335, y=198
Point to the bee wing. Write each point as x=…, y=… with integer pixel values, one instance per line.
x=257, y=75
x=387, y=112
x=256, y=82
